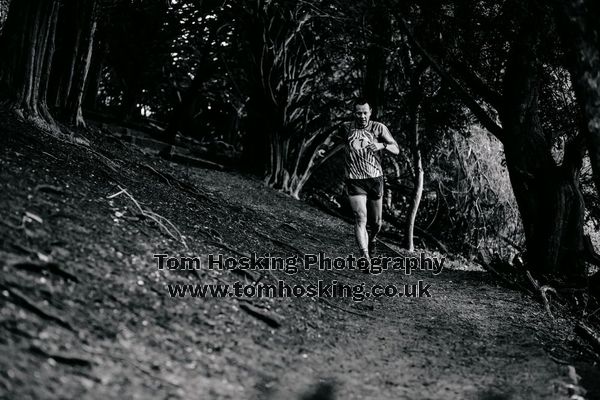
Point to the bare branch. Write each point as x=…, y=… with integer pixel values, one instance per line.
x=483, y=117
x=477, y=84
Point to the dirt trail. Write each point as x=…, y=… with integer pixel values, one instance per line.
x=85, y=313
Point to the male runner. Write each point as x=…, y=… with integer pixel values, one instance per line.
x=364, y=141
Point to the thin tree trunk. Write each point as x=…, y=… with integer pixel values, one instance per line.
x=67, y=54
x=76, y=115
x=90, y=97
x=417, y=179
x=65, y=93
x=25, y=97
x=87, y=29
x=47, y=67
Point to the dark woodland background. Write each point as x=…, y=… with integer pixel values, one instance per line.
x=495, y=104
x=135, y=127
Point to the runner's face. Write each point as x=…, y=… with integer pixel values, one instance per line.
x=362, y=113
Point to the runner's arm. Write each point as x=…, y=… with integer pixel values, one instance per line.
x=386, y=142
x=333, y=143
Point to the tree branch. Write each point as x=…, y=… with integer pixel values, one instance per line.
x=477, y=84
x=483, y=117
x=574, y=152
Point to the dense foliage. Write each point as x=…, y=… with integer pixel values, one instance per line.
x=274, y=79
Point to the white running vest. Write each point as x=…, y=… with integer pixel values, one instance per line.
x=361, y=162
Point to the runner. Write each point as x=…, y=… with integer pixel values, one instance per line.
x=364, y=140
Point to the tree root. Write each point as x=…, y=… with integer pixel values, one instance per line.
x=50, y=266
x=543, y=291
x=49, y=189
x=64, y=358
x=227, y=247
x=589, y=334
x=261, y=315
x=241, y=272
x=110, y=164
x=155, y=172
x=281, y=244
x=585, y=331
x=20, y=299
x=185, y=187
x=133, y=363
x=161, y=221
x=535, y=283
x=345, y=309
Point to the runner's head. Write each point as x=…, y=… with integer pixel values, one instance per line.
x=362, y=112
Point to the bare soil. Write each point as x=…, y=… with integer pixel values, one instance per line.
x=86, y=314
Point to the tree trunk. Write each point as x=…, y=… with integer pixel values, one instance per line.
x=183, y=113
x=90, y=97
x=374, y=85
x=582, y=32
x=69, y=37
x=256, y=152
x=129, y=110
x=263, y=119
x=29, y=39
x=47, y=68
x=548, y=195
x=86, y=27
x=551, y=208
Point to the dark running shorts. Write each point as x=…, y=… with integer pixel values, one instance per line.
x=371, y=187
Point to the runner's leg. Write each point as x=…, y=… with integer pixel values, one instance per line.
x=359, y=209
x=374, y=211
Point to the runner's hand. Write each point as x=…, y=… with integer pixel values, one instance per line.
x=375, y=146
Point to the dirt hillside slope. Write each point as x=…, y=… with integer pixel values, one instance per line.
x=86, y=313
